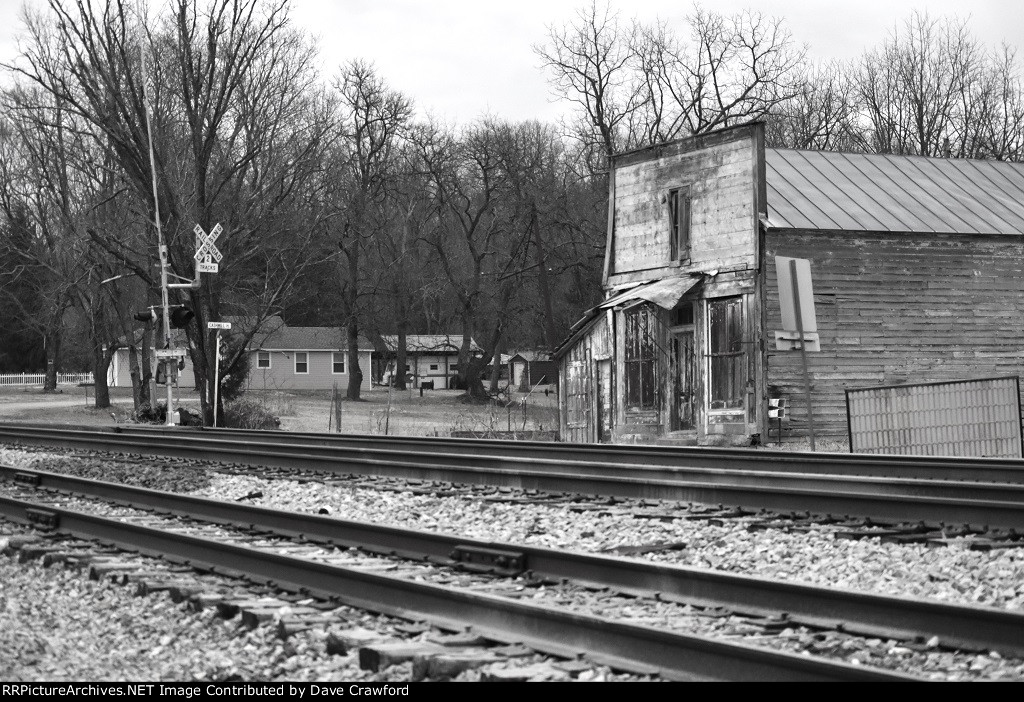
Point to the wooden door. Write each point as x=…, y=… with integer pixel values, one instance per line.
x=683, y=361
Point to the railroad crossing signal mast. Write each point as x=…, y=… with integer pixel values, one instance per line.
x=205, y=251
x=161, y=247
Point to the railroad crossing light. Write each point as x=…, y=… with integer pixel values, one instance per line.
x=181, y=316
x=147, y=316
x=777, y=408
x=161, y=373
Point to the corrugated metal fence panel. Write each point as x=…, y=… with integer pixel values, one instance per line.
x=960, y=418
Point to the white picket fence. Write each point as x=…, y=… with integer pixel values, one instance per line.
x=7, y=379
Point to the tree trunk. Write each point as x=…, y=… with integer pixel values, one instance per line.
x=100, y=364
x=545, y=287
x=140, y=389
x=400, y=357
x=53, y=344
x=147, y=368
x=495, y=370
x=355, y=374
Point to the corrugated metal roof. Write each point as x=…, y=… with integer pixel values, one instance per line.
x=879, y=192
x=665, y=293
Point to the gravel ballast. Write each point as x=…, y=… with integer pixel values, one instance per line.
x=953, y=573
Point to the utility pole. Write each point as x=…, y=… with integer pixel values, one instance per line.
x=162, y=248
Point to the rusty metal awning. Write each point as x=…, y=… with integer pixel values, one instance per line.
x=665, y=293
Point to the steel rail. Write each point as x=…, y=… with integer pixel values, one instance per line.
x=957, y=626
x=891, y=500
x=611, y=459
x=547, y=629
x=998, y=470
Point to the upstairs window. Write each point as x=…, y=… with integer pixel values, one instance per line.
x=641, y=359
x=338, y=362
x=679, y=223
x=301, y=362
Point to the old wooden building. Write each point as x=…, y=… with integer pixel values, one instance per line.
x=916, y=266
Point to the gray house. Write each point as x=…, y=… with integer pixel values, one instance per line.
x=280, y=358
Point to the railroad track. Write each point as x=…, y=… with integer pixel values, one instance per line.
x=777, y=604
x=339, y=576
x=818, y=484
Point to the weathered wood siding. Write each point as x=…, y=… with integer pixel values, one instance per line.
x=585, y=402
x=721, y=172
x=897, y=308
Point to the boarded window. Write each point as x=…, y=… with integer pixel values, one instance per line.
x=301, y=362
x=577, y=394
x=641, y=362
x=679, y=223
x=728, y=359
x=263, y=359
x=338, y=362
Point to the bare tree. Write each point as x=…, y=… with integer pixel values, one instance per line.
x=650, y=84
x=590, y=63
x=373, y=120
x=239, y=134
x=910, y=89
x=820, y=116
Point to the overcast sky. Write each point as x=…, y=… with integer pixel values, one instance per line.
x=459, y=59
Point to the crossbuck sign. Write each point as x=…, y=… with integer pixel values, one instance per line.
x=207, y=256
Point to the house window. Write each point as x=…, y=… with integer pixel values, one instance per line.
x=433, y=366
x=728, y=359
x=301, y=362
x=641, y=362
x=338, y=362
x=263, y=359
x=679, y=223
x=453, y=367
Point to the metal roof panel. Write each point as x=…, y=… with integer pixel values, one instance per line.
x=882, y=192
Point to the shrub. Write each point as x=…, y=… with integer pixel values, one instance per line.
x=245, y=413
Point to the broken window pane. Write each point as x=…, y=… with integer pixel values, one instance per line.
x=728, y=359
x=641, y=369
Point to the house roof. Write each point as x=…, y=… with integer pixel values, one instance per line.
x=429, y=343
x=285, y=338
x=531, y=356
x=881, y=192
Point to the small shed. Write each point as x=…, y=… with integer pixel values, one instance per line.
x=530, y=368
x=430, y=358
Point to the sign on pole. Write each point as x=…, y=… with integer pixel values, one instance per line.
x=207, y=255
x=800, y=327
x=218, y=325
x=170, y=353
x=796, y=303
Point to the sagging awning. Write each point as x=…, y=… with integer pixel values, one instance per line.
x=665, y=293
